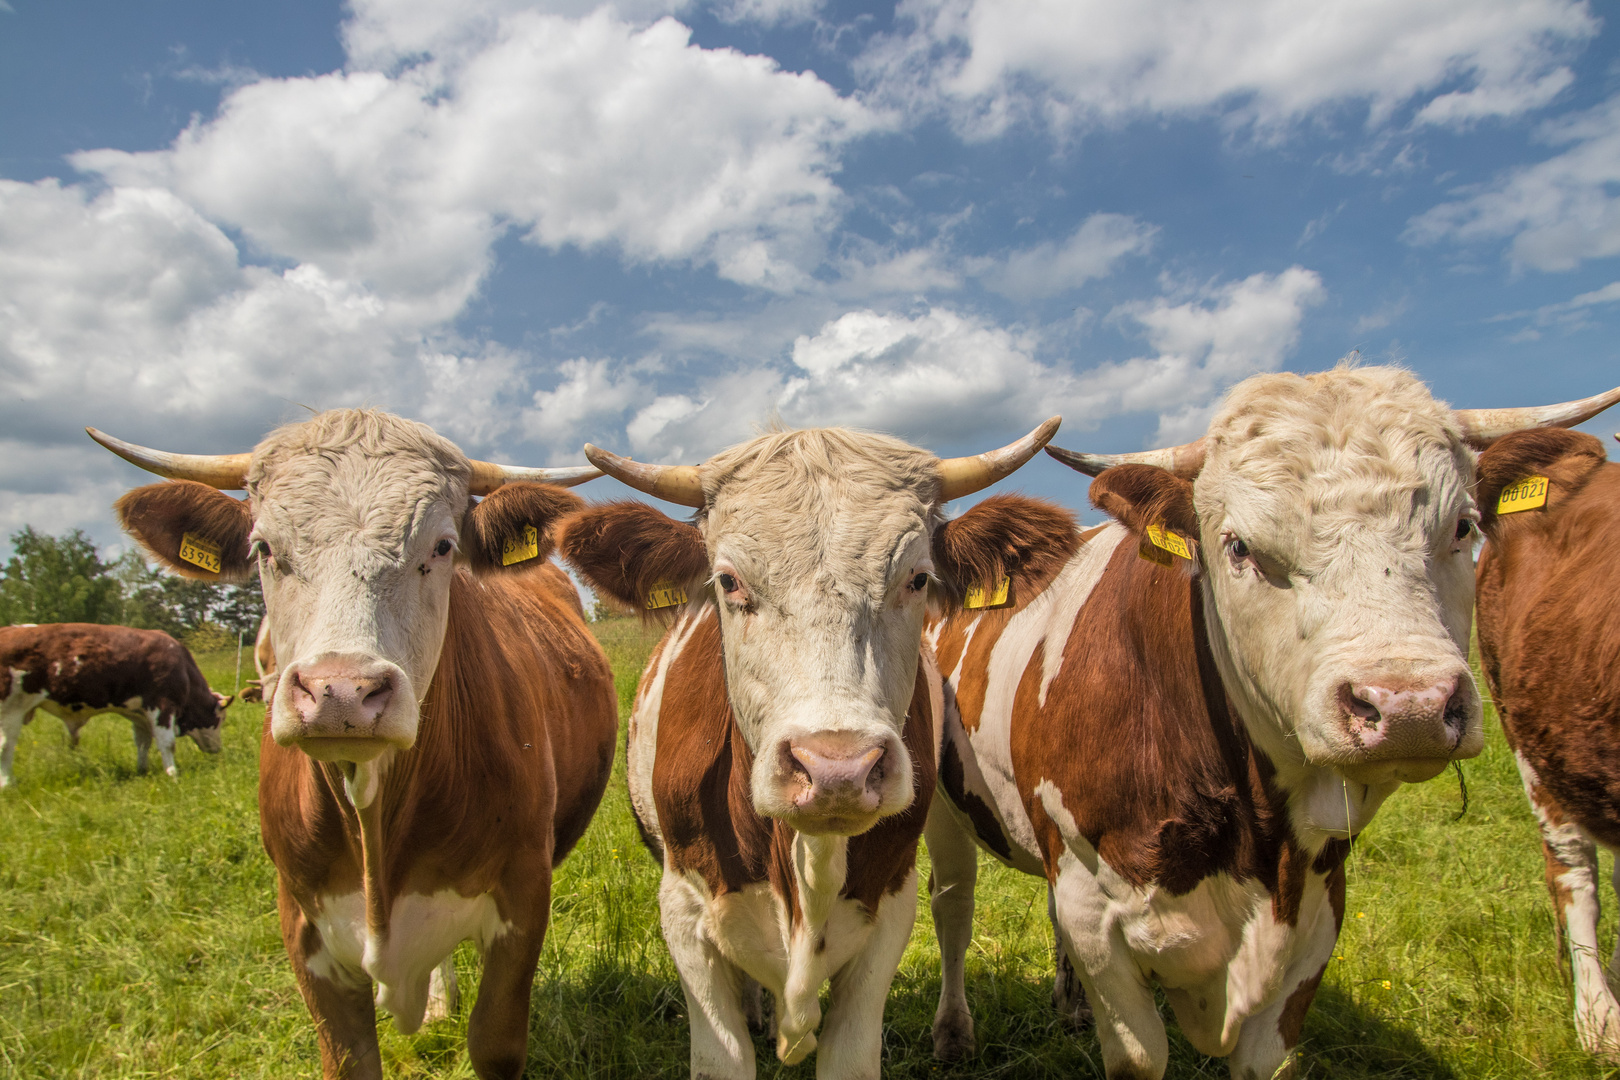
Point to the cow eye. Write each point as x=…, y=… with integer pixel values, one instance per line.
x=1464, y=527
x=919, y=583
x=442, y=548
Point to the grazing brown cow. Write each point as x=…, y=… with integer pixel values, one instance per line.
x=1180, y=725
x=1549, y=644
x=77, y=670
x=782, y=746
x=442, y=723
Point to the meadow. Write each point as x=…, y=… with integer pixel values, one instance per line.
x=138, y=939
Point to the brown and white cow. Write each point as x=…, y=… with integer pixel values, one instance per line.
x=442, y=723
x=1549, y=645
x=782, y=747
x=1183, y=742
x=78, y=670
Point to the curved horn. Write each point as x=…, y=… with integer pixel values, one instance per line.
x=965, y=475
x=228, y=472
x=1481, y=427
x=673, y=483
x=1185, y=460
x=487, y=476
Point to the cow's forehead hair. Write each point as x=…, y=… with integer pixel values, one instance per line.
x=819, y=501
x=362, y=477
x=1339, y=450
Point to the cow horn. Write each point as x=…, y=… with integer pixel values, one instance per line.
x=487, y=476
x=672, y=483
x=1481, y=427
x=965, y=475
x=228, y=472
x=1185, y=460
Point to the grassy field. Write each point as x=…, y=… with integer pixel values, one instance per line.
x=138, y=939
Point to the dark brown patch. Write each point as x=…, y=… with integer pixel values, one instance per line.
x=505, y=513
x=159, y=516
x=625, y=548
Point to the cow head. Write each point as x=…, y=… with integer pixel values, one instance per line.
x=816, y=550
x=1332, y=523
x=355, y=521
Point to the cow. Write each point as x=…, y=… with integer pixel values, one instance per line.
x=782, y=744
x=78, y=670
x=1549, y=647
x=1183, y=725
x=441, y=725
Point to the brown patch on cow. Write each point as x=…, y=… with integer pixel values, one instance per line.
x=1141, y=495
x=505, y=513
x=705, y=808
x=1549, y=632
x=95, y=668
x=626, y=548
x=160, y=515
x=1005, y=537
x=1154, y=764
x=1291, y=1021
x=1567, y=458
x=512, y=756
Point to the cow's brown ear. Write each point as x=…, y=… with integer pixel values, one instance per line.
x=1140, y=496
x=515, y=526
x=635, y=556
x=1004, y=538
x=1566, y=458
x=193, y=529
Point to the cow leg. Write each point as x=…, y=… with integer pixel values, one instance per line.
x=721, y=1048
x=955, y=859
x=1572, y=870
x=345, y=1018
x=1068, y=996
x=1134, y=1043
x=498, y=1030
x=444, y=995
x=851, y=1042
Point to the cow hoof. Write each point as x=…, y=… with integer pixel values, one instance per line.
x=953, y=1037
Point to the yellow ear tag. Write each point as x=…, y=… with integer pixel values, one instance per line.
x=977, y=597
x=516, y=549
x=1527, y=494
x=665, y=594
x=1166, y=540
x=200, y=551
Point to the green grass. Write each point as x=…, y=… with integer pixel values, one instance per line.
x=138, y=939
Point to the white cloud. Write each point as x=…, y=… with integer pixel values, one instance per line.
x=1269, y=62
x=1048, y=269
x=1557, y=212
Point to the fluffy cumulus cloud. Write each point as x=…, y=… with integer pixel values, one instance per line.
x=1269, y=62
x=1555, y=213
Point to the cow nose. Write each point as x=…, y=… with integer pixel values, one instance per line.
x=1370, y=709
x=353, y=698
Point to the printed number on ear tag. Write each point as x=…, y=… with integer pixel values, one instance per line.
x=516, y=549
x=977, y=597
x=1527, y=494
x=200, y=551
x=1160, y=543
x=665, y=594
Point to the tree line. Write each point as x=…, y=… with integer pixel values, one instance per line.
x=52, y=579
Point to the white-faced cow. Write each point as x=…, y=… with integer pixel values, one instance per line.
x=1549, y=645
x=1182, y=724
x=442, y=723
x=78, y=670
x=782, y=746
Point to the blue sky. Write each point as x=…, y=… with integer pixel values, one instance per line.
x=655, y=224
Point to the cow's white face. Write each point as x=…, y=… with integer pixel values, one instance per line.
x=355, y=530
x=1338, y=529
x=819, y=545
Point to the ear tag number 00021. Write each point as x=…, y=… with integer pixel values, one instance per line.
x=516, y=549
x=1160, y=543
x=1527, y=494
x=977, y=596
x=200, y=551
x=665, y=594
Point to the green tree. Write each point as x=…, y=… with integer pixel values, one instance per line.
x=58, y=579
